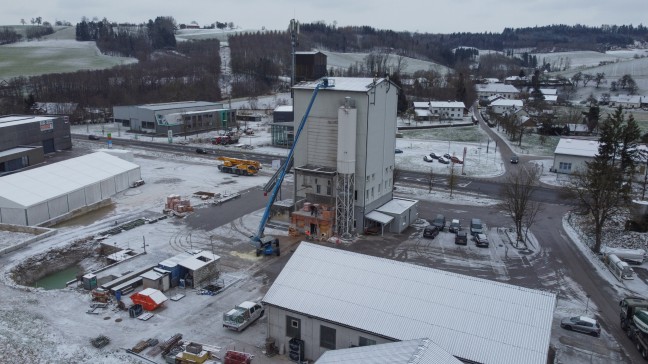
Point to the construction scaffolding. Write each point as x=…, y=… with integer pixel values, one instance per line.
x=345, y=184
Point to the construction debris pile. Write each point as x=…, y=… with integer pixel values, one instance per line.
x=174, y=204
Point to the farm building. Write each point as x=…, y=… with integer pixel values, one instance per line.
x=175, y=117
x=149, y=298
x=484, y=91
x=627, y=101
x=439, y=110
x=25, y=139
x=334, y=299
x=52, y=192
x=506, y=106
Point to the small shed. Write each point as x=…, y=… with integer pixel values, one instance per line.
x=403, y=211
x=200, y=268
x=156, y=278
x=150, y=299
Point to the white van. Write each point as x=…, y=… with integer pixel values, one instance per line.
x=620, y=269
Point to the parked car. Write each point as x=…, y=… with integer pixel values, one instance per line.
x=444, y=160
x=201, y=151
x=137, y=183
x=456, y=160
x=461, y=238
x=398, y=151
x=434, y=155
x=430, y=232
x=455, y=226
x=481, y=240
x=447, y=156
x=428, y=159
x=94, y=137
x=439, y=221
x=515, y=159
x=476, y=227
x=583, y=324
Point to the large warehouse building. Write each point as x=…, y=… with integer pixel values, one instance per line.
x=328, y=299
x=175, y=117
x=41, y=195
x=25, y=139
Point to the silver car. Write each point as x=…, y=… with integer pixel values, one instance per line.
x=583, y=324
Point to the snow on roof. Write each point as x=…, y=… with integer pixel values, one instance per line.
x=421, y=104
x=41, y=184
x=179, y=105
x=152, y=275
x=578, y=128
x=202, y=111
x=174, y=260
x=284, y=108
x=497, y=87
x=507, y=102
x=577, y=147
x=247, y=304
x=458, y=104
x=420, y=351
x=549, y=91
x=23, y=119
x=199, y=260
x=11, y=151
x=379, y=217
x=397, y=206
x=472, y=318
x=630, y=99
x=422, y=113
x=551, y=98
x=157, y=296
x=355, y=84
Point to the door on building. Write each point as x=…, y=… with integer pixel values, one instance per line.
x=48, y=146
x=313, y=229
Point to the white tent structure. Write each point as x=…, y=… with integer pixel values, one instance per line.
x=42, y=194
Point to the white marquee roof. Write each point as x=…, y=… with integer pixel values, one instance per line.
x=34, y=186
x=471, y=318
x=357, y=84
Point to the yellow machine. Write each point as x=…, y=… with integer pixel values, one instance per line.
x=239, y=166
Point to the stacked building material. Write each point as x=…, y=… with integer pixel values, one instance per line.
x=175, y=203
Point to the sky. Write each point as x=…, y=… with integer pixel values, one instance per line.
x=422, y=16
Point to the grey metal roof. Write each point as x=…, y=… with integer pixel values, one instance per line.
x=357, y=84
x=420, y=351
x=379, y=217
x=577, y=147
x=180, y=105
x=471, y=318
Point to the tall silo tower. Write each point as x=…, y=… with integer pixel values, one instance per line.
x=346, y=166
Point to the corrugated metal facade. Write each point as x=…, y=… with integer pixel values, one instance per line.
x=35, y=196
x=502, y=323
x=421, y=351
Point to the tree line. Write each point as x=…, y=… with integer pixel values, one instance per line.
x=190, y=73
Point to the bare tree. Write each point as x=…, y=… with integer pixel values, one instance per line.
x=516, y=192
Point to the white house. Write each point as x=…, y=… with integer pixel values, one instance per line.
x=330, y=299
x=506, y=106
x=627, y=101
x=484, y=91
x=571, y=154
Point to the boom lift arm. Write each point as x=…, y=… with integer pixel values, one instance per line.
x=257, y=240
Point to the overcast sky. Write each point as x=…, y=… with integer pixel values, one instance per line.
x=429, y=16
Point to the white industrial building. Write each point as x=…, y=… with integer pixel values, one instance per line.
x=344, y=159
x=43, y=194
x=332, y=299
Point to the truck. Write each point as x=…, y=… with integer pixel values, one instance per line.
x=632, y=256
x=243, y=167
x=634, y=321
x=225, y=139
x=242, y=315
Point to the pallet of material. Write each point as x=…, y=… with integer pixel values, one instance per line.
x=145, y=316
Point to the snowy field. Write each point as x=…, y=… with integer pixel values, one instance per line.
x=342, y=61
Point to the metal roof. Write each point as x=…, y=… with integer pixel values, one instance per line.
x=420, y=351
x=507, y=102
x=34, y=186
x=497, y=87
x=397, y=206
x=379, y=217
x=12, y=120
x=180, y=105
x=458, y=104
x=577, y=147
x=471, y=318
x=356, y=84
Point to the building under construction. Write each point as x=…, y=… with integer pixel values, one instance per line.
x=344, y=160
